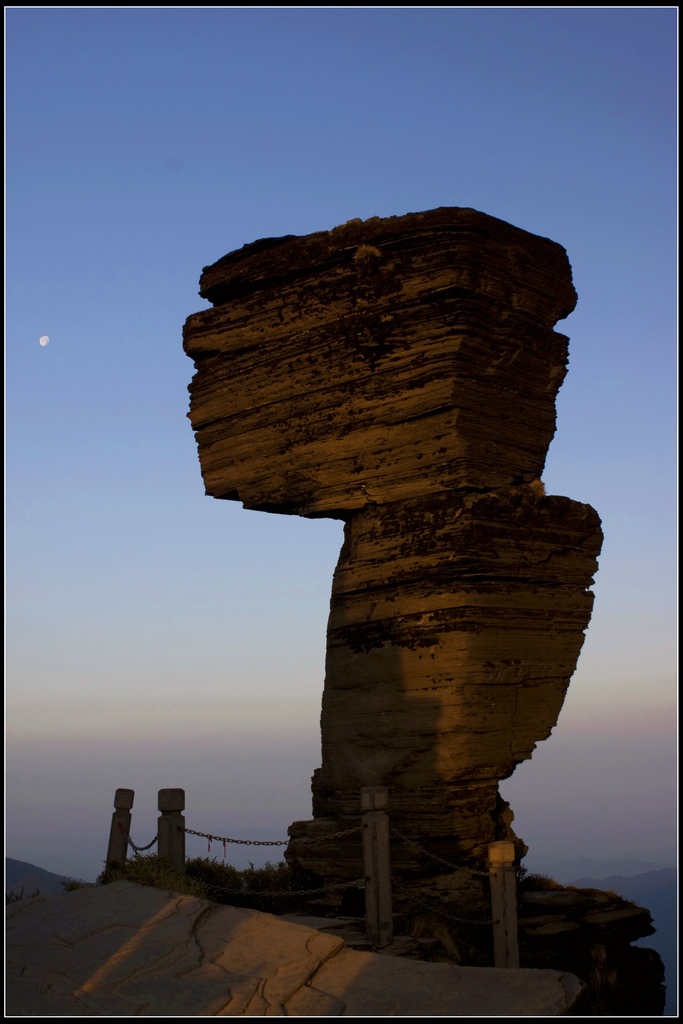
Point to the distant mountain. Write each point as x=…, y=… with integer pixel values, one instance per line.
x=632, y=886
x=21, y=875
x=567, y=871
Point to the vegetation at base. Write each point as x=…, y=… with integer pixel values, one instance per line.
x=68, y=884
x=266, y=889
x=71, y=884
x=531, y=882
x=16, y=897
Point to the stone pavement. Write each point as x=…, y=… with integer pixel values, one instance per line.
x=127, y=950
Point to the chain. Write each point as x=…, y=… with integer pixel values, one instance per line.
x=240, y=842
x=141, y=849
x=266, y=842
x=439, y=911
x=138, y=849
x=335, y=835
x=440, y=860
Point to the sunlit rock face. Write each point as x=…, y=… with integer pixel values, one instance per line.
x=401, y=374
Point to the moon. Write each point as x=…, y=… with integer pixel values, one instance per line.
x=44, y=340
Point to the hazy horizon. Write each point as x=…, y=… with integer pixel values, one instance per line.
x=574, y=798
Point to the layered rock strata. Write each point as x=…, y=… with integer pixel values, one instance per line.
x=401, y=374
x=456, y=623
x=383, y=360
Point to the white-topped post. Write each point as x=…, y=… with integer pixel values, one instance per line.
x=504, y=904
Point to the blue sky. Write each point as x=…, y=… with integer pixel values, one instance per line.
x=157, y=637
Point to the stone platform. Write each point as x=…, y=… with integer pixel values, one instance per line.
x=127, y=950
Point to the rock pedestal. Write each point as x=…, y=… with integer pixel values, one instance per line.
x=401, y=374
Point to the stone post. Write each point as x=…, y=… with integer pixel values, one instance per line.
x=171, y=826
x=377, y=865
x=120, y=827
x=503, y=904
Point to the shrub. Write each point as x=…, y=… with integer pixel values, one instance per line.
x=263, y=888
x=531, y=882
x=16, y=897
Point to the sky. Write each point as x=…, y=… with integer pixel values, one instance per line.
x=156, y=637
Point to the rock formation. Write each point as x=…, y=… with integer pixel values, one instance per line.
x=401, y=374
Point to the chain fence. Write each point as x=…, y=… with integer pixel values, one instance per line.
x=265, y=842
x=433, y=856
x=224, y=891
x=461, y=907
x=437, y=908
x=262, y=842
x=432, y=907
